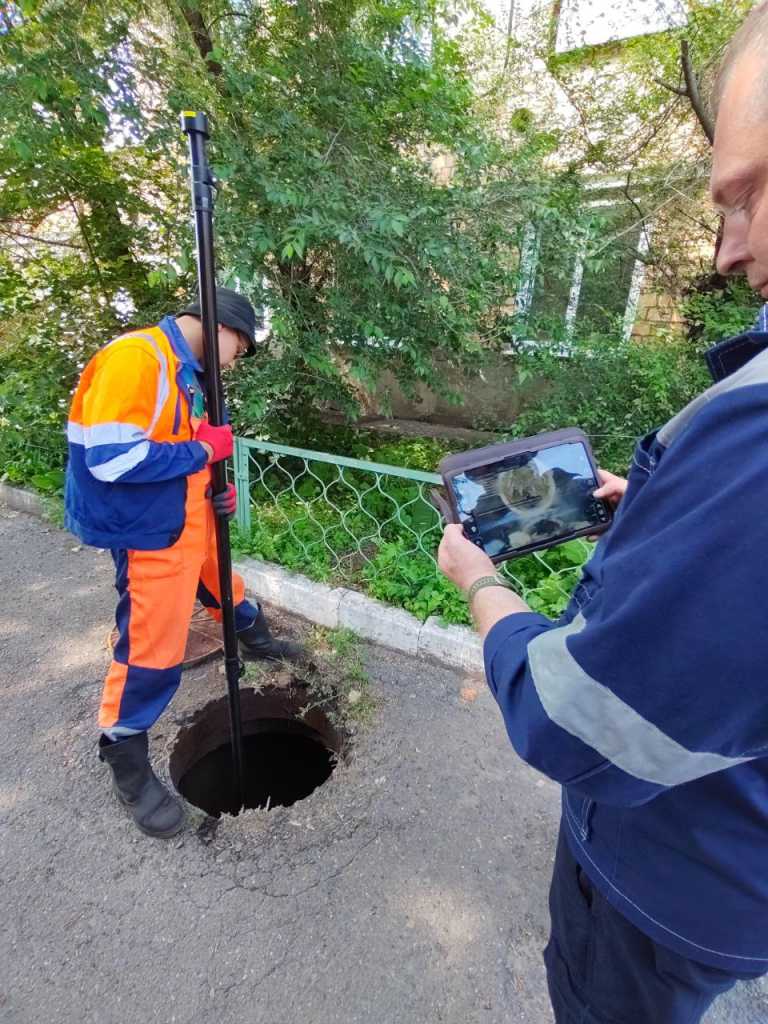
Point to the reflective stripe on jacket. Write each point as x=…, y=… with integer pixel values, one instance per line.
x=130, y=441
x=648, y=700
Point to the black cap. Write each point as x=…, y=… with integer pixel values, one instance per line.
x=233, y=310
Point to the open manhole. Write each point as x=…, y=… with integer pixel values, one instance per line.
x=285, y=758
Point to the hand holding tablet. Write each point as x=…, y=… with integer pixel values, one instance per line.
x=525, y=495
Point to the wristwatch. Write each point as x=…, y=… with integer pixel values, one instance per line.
x=486, y=581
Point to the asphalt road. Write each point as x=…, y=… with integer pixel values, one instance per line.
x=410, y=888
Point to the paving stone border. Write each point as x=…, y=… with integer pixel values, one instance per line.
x=334, y=607
x=338, y=607
x=20, y=500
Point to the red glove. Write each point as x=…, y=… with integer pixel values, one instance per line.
x=225, y=504
x=218, y=438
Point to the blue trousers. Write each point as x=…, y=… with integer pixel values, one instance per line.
x=601, y=969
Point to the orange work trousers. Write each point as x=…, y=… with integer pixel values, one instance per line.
x=157, y=591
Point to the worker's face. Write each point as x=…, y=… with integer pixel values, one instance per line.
x=740, y=173
x=231, y=345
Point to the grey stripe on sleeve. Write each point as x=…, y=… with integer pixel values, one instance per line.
x=753, y=372
x=594, y=714
x=109, y=472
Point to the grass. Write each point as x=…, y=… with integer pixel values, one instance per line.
x=340, y=685
x=333, y=676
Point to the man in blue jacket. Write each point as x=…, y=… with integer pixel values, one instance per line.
x=648, y=699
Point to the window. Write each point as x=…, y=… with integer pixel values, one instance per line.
x=563, y=292
x=593, y=22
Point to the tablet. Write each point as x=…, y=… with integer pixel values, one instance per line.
x=524, y=495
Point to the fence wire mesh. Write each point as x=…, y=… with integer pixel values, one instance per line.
x=371, y=526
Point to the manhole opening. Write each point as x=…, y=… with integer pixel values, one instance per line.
x=285, y=758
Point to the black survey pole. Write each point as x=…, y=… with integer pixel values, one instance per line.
x=195, y=125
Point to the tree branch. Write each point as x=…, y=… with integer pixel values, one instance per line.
x=81, y=224
x=691, y=92
x=694, y=95
x=672, y=88
x=510, y=26
x=202, y=38
x=42, y=241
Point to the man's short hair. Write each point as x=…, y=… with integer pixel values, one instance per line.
x=751, y=37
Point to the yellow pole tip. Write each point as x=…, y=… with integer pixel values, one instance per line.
x=189, y=113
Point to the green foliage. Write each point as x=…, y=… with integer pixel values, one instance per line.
x=53, y=509
x=615, y=391
x=328, y=525
x=629, y=126
x=620, y=92
x=726, y=309
x=37, y=375
x=46, y=336
x=382, y=539
x=340, y=684
x=82, y=201
x=409, y=581
x=327, y=123
x=546, y=579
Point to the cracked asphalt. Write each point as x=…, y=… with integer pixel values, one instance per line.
x=409, y=889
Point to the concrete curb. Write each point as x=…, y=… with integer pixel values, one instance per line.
x=20, y=500
x=334, y=607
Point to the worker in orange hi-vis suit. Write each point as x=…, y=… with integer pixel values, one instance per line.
x=138, y=483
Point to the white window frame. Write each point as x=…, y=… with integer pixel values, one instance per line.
x=529, y=264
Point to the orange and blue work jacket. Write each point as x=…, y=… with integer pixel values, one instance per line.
x=130, y=437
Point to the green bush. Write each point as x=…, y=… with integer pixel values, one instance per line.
x=412, y=581
x=38, y=374
x=719, y=309
x=48, y=331
x=615, y=391
x=546, y=579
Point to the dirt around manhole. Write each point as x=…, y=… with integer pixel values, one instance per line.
x=287, y=754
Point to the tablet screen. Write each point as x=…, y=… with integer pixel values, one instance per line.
x=533, y=498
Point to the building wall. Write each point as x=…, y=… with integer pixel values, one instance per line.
x=657, y=312
x=496, y=397
x=490, y=401
x=539, y=33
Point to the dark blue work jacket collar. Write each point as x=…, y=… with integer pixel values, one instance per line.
x=730, y=355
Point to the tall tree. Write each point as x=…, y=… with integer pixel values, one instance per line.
x=362, y=198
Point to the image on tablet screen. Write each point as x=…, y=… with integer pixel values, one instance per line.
x=527, y=499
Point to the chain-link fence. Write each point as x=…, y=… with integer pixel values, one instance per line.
x=371, y=526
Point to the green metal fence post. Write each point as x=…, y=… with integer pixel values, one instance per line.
x=241, y=460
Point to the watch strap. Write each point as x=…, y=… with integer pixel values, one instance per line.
x=486, y=581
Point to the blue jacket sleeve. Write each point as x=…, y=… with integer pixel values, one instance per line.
x=143, y=461
x=659, y=680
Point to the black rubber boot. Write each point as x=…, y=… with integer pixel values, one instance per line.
x=257, y=642
x=136, y=786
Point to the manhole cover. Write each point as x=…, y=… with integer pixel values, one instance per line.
x=285, y=758
x=204, y=639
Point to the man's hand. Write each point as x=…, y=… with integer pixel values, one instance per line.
x=460, y=560
x=217, y=441
x=611, y=489
x=463, y=563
